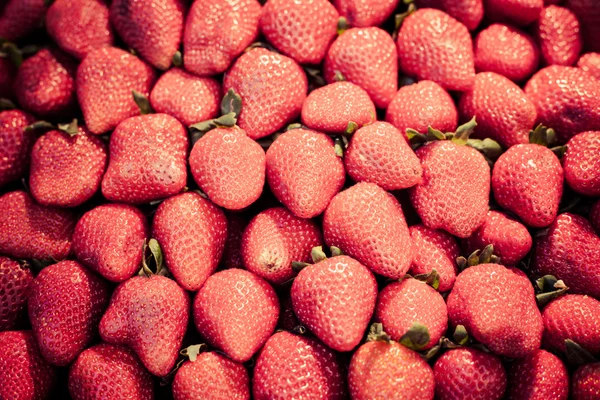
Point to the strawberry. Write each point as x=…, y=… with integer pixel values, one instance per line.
x=595, y=216
x=333, y=107
x=45, y=84
x=79, y=26
x=581, y=163
x=232, y=252
x=28, y=230
x=421, y=105
x=402, y=304
x=211, y=376
x=365, y=13
x=192, y=232
x=588, y=14
x=586, y=382
x=503, y=111
x=367, y=223
x=109, y=371
x=566, y=99
x=109, y=239
x=469, y=12
x=7, y=77
x=541, y=375
x=519, y=12
x=467, y=373
x=60, y=160
x=24, y=374
x=272, y=87
x=590, y=63
x=229, y=167
x=497, y=307
x=115, y=73
x=150, y=316
x=527, y=180
x=321, y=294
x=18, y=18
x=302, y=30
x=434, y=249
x=434, y=46
x=15, y=281
x=216, y=32
x=379, y=153
x=295, y=366
x=66, y=302
x=236, y=312
x=559, y=36
x=510, y=238
x=274, y=239
x=15, y=145
x=507, y=51
x=304, y=172
x=147, y=159
x=187, y=97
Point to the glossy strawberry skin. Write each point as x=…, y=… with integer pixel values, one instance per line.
x=16, y=145
x=192, y=232
x=590, y=63
x=19, y=18
x=539, y=376
x=581, y=163
x=519, y=12
x=469, y=12
x=365, y=13
x=558, y=33
x=586, y=382
x=15, y=281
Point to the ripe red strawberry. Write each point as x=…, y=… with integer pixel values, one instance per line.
x=19, y=18
x=211, y=376
x=232, y=253
x=272, y=87
x=582, y=164
x=150, y=316
x=28, y=230
x=379, y=153
x=401, y=304
x=45, y=84
x=110, y=239
x=304, y=172
x=497, y=307
x=302, y=30
x=24, y=374
x=519, y=12
x=566, y=99
x=467, y=373
x=15, y=145
x=586, y=382
x=434, y=249
x=66, y=302
x=321, y=294
x=332, y=107
x=367, y=223
x=236, y=312
x=291, y=365
x=507, y=51
x=365, y=13
x=559, y=36
x=109, y=371
x=434, y=46
x=216, y=32
x=421, y=105
x=7, y=77
x=187, y=97
x=59, y=161
x=274, y=239
x=148, y=155
x=510, y=238
x=192, y=232
x=105, y=79
x=595, y=216
x=79, y=26
x=469, y=12
x=528, y=181
x=15, y=281
x=229, y=167
x=503, y=111
x=590, y=63
x=588, y=14
x=541, y=375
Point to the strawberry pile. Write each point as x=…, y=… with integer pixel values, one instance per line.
x=300, y=199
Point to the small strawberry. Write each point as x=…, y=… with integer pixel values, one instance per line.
x=15, y=281
x=304, y=172
x=586, y=382
x=365, y=13
x=66, y=302
x=192, y=232
x=559, y=36
x=232, y=253
x=18, y=18
x=105, y=79
x=368, y=224
x=109, y=371
x=595, y=216
x=28, y=230
x=148, y=155
x=469, y=12
x=590, y=63
x=539, y=376
x=467, y=373
x=588, y=14
x=7, y=77
x=519, y=12
x=295, y=366
x=582, y=164
x=150, y=316
x=15, y=145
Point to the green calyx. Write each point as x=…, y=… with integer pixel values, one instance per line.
x=549, y=288
x=177, y=59
x=377, y=334
x=14, y=54
x=342, y=25
x=142, y=102
x=546, y=137
x=193, y=351
x=485, y=256
x=399, y=18
x=71, y=128
x=416, y=337
x=6, y=104
x=576, y=354
x=317, y=254
x=231, y=107
x=152, y=263
x=432, y=278
x=460, y=136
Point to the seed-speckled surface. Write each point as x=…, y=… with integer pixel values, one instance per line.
x=590, y=63
x=582, y=163
x=559, y=36
x=365, y=13
x=20, y=17
x=539, y=376
x=15, y=280
x=236, y=301
x=586, y=382
x=15, y=145
x=519, y=12
x=588, y=14
x=469, y=12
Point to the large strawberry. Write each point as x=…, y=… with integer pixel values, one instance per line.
x=541, y=375
x=15, y=281
x=19, y=18
x=66, y=302
x=469, y=12
x=559, y=36
x=582, y=164
x=590, y=63
x=586, y=382
x=15, y=145
x=365, y=13
x=368, y=224
x=236, y=312
x=588, y=14
x=232, y=252
x=520, y=12
x=192, y=232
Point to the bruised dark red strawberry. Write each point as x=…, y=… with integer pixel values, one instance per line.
x=582, y=164
x=588, y=14
x=15, y=145
x=586, y=382
x=15, y=281
x=539, y=376
x=19, y=18
x=520, y=12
